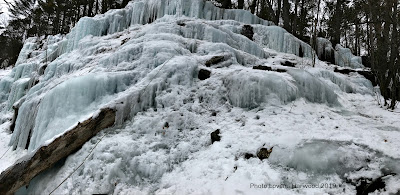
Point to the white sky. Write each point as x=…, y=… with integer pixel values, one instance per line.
x=3, y=6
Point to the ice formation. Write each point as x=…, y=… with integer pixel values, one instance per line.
x=339, y=55
x=145, y=59
x=51, y=96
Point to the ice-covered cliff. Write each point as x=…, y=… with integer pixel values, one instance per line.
x=145, y=62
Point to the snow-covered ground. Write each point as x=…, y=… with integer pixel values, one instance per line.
x=326, y=128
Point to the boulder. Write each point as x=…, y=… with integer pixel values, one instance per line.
x=215, y=137
x=248, y=155
x=204, y=74
x=264, y=153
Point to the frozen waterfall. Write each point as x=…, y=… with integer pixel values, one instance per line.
x=110, y=60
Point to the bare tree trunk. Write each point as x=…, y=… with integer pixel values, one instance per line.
x=278, y=12
x=253, y=6
x=394, y=54
x=337, y=23
x=286, y=15
x=294, y=28
x=240, y=4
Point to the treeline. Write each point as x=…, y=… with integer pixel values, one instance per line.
x=45, y=17
x=370, y=28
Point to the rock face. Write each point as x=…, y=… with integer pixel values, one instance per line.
x=215, y=137
x=248, y=31
x=215, y=60
x=204, y=74
x=264, y=153
x=23, y=171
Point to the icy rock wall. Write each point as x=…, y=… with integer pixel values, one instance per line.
x=29, y=46
x=343, y=83
x=168, y=50
x=180, y=70
x=249, y=89
x=144, y=12
x=338, y=55
x=279, y=39
x=344, y=57
x=312, y=88
x=63, y=106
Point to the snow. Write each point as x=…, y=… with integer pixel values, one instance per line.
x=325, y=127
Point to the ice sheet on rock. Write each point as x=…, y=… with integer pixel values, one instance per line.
x=348, y=84
x=277, y=38
x=64, y=106
x=338, y=55
x=29, y=46
x=325, y=50
x=18, y=89
x=249, y=89
x=177, y=71
x=312, y=88
x=344, y=57
x=5, y=87
x=144, y=12
x=323, y=157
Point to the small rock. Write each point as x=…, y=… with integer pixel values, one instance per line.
x=260, y=67
x=264, y=153
x=204, y=74
x=215, y=137
x=281, y=70
x=181, y=23
x=248, y=155
x=166, y=125
x=215, y=60
x=214, y=113
x=288, y=63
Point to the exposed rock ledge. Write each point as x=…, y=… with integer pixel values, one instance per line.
x=22, y=172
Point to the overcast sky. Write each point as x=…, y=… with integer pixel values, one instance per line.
x=3, y=6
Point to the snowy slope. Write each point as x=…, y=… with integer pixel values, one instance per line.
x=325, y=127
